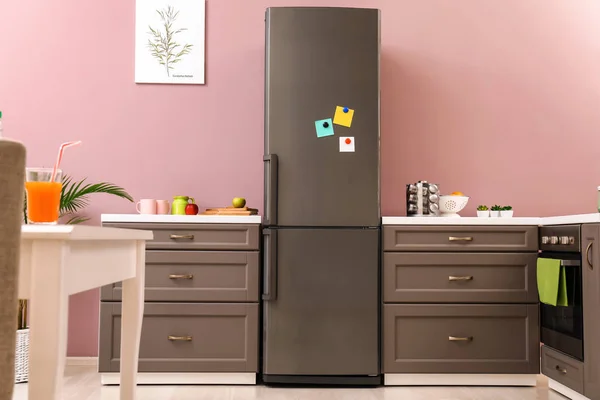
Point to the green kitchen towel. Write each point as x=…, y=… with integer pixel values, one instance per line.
x=552, y=282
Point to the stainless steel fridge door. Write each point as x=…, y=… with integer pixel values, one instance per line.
x=320, y=302
x=318, y=59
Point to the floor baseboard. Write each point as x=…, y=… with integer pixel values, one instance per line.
x=565, y=391
x=182, y=378
x=81, y=361
x=460, y=379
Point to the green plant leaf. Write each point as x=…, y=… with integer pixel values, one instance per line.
x=75, y=195
x=76, y=220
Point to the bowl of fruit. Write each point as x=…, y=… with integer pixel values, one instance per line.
x=453, y=203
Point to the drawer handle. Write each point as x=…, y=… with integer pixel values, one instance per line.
x=180, y=338
x=561, y=370
x=460, y=278
x=460, y=339
x=188, y=276
x=460, y=239
x=190, y=237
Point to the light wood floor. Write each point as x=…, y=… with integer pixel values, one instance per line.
x=83, y=383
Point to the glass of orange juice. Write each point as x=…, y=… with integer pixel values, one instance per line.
x=43, y=196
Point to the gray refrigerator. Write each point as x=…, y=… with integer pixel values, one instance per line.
x=321, y=235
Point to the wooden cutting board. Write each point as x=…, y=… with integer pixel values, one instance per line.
x=230, y=211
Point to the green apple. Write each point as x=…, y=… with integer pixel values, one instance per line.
x=239, y=202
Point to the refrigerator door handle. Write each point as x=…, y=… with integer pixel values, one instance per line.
x=270, y=264
x=271, y=168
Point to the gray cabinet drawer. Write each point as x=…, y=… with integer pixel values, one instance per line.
x=180, y=337
x=198, y=236
x=563, y=369
x=197, y=276
x=459, y=277
x=460, y=238
x=458, y=338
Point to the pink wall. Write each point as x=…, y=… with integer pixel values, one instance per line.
x=499, y=101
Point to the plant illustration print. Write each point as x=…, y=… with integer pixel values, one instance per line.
x=162, y=43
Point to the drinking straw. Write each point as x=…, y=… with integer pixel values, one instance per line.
x=60, y=154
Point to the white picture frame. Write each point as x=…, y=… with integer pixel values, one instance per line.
x=170, y=38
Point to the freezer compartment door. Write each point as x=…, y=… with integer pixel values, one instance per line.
x=321, y=302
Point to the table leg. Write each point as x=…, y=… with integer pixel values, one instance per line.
x=131, y=324
x=48, y=320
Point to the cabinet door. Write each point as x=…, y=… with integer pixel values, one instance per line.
x=185, y=337
x=200, y=236
x=563, y=369
x=496, y=238
x=461, y=339
x=591, y=305
x=459, y=277
x=190, y=276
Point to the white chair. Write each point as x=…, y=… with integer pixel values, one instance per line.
x=12, y=187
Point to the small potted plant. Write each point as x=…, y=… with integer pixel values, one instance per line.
x=495, y=212
x=506, y=211
x=483, y=211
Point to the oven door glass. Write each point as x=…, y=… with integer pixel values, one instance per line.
x=562, y=327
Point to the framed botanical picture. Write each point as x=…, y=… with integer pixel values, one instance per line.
x=170, y=41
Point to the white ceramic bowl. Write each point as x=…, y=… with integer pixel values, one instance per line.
x=450, y=206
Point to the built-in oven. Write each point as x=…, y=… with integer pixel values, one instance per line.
x=562, y=326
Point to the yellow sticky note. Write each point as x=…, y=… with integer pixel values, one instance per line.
x=343, y=116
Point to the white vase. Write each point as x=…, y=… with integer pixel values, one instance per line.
x=483, y=214
x=494, y=213
x=506, y=213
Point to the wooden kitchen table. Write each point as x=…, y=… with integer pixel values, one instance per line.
x=60, y=260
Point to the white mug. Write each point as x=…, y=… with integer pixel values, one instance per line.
x=146, y=206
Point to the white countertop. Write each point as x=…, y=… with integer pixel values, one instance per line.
x=182, y=219
x=559, y=220
x=257, y=219
x=572, y=219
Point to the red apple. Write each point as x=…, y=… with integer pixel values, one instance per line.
x=191, y=209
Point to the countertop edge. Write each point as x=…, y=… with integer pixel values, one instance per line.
x=180, y=219
x=386, y=220
x=460, y=221
x=81, y=232
x=539, y=221
x=572, y=219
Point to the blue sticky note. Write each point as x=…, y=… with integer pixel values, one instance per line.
x=324, y=127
